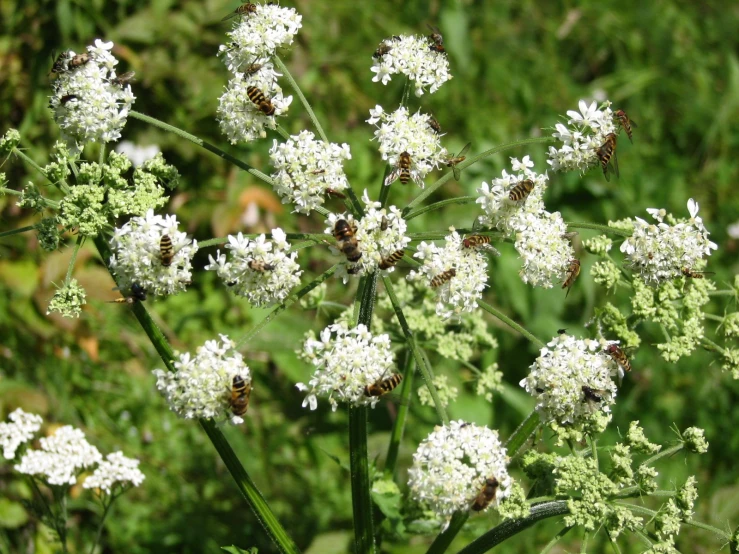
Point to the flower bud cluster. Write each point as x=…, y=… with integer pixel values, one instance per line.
x=68, y=300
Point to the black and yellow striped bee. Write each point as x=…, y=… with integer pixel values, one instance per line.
x=487, y=494
x=348, y=244
x=383, y=386
x=521, y=190
x=619, y=356
x=572, y=272
x=166, y=250
x=260, y=100
x=687, y=272
x=138, y=294
x=121, y=80
x=607, y=153
x=626, y=123
x=458, y=159
x=392, y=259
x=404, y=171
x=442, y=278
x=240, y=393
x=243, y=9
x=475, y=241
x=260, y=266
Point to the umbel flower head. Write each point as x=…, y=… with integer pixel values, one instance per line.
x=452, y=464
x=138, y=259
x=572, y=384
x=261, y=271
x=661, y=252
x=401, y=131
x=346, y=361
x=88, y=104
x=61, y=458
x=115, y=471
x=20, y=429
x=201, y=386
x=459, y=274
x=305, y=168
x=68, y=300
x=413, y=57
x=544, y=248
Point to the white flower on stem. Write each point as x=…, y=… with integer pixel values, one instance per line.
x=660, y=252
x=61, y=458
x=240, y=118
x=257, y=36
x=412, y=56
x=586, y=133
x=463, y=289
x=306, y=168
x=499, y=210
x=115, y=470
x=201, y=386
x=401, y=131
x=137, y=256
x=87, y=105
x=20, y=429
x=544, y=249
x=262, y=271
x=346, y=361
x=451, y=466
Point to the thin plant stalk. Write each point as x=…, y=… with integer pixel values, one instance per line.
x=70, y=269
x=555, y=539
x=106, y=510
x=399, y=424
x=303, y=100
x=508, y=321
x=445, y=538
x=598, y=227
x=440, y=204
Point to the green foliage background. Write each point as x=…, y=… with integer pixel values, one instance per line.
x=516, y=64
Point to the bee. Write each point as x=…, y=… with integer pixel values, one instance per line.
x=243, y=9
x=561, y=331
x=572, y=272
x=487, y=494
x=458, y=159
x=384, y=223
x=240, y=393
x=138, y=294
x=435, y=127
x=617, y=355
x=124, y=78
x=521, y=190
x=437, y=41
x=166, y=250
x=348, y=244
x=353, y=270
x=403, y=171
x=260, y=266
x=335, y=193
x=475, y=240
x=392, y=259
x=262, y=102
x=58, y=65
x=252, y=68
x=592, y=395
x=78, y=61
x=687, y=272
x=68, y=98
x=605, y=152
x=442, y=278
x=383, y=49
x=383, y=386
x=626, y=123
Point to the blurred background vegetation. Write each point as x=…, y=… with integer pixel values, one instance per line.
x=517, y=65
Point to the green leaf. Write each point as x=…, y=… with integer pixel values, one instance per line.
x=236, y=550
x=386, y=495
x=12, y=514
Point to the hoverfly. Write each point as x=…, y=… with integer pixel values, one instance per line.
x=458, y=159
x=240, y=393
x=383, y=386
x=391, y=260
x=435, y=127
x=348, y=244
x=403, y=171
x=592, y=395
x=244, y=9
x=138, y=294
x=521, y=190
x=442, y=278
x=687, y=272
x=263, y=103
x=626, y=123
x=487, y=494
x=437, y=41
x=124, y=78
x=166, y=250
x=607, y=153
x=572, y=272
x=619, y=356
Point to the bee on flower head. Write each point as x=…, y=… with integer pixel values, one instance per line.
x=392, y=259
x=619, y=356
x=259, y=266
x=78, y=61
x=240, y=393
x=606, y=154
x=404, y=171
x=434, y=125
x=436, y=40
x=458, y=159
x=572, y=272
x=443, y=277
x=258, y=98
x=344, y=233
x=521, y=190
x=138, y=294
x=626, y=123
x=123, y=79
x=592, y=395
x=166, y=250
x=243, y=9
x=59, y=63
x=384, y=48
x=383, y=386
x=487, y=494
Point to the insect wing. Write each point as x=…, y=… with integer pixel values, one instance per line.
x=456, y=171
x=612, y=167
x=392, y=176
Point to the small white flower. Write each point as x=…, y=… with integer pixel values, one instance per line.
x=201, y=386
x=306, y=168
x=412, y=56
x=137, y=258
x=544, y=249
x=61, y=458
x=116, y=469
x=733, y=230
x=346, y=361
x=137, y=154
x=461, y=292
x=452, y=464
x=264, y=272
x=21, y=429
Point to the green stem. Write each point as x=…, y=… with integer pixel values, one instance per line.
x=399, y=424
x=99, y=534
x=203, y=144
x=286, y=72
x=17, y=231
x=594, y=449
x=712, y=345
x=522, y=433
x=658, y=455
x=11, y=192
x=435, y=235
x=508, y=321
x=439, y=205
x=428, y=191
x=729, y=292
x=584, y=544
x=555, y=539
x=280, y=131
x=70, y=269
x=509, y=528
x=444, y=539
x=614, y=544
x=598, y=227
x=714, y=317
x=30, y=162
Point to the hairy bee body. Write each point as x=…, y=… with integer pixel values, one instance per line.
x=243, y=9
x=619, y=356
x=260, y=266
x=487, y=494
x=475, y=240
x=348, y=244
x=68, y=98
x=58, y=65
x=437, y=41
x=383, y=49
x=592, y=395
x=260, y=100
x=572, y=272
x=240, y=392
x=78, y=61
x=138, y=294
x=442, y=278
x=435, y=127
x=626, y=123
x=521, y=190
x=124, y=78
x=607, y=151
x=166, y=250
x=383, y=386
x=392, y=259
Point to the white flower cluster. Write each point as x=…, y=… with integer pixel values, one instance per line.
x=21, y=429
x=137, y=256
x=375, y=243
x=201, y=386
x=544, y=248
x=401, y=131
x=459, y=292
x=586, y=133
x=264, y=272
x=88, y=105
x=414, y=57
x=306, y=168
x=116, y=469
x=61, y=457
x=571, y=380
x=452, y=464
x=509, y=215
x=346, y=361
x=661, y=252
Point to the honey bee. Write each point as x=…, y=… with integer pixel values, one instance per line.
x=605, y=153
x=68, y=98
x=121, y=80
x=384, y=223
x=437, y=41
x=403, y=171
x=617, y=355
x=392, y=259
x=442, y=278
x=572, y=272
x=687, y=272
x=78, y=61
x=262, y=102
x=260, y=266
x=475, y=240
x=626, y=123
x=435, y=127
x=166, y=250
x=138, y=294
x=335, y=193
x=521, y=190
x=243, y=9
x=592, y=395
x=382, y=49
x=458, y=159
x=240, y=393
x=58, y=65
x=383, y=386
x=348, y=244
x=487, y=494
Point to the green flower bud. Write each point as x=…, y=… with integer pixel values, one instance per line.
x=10, y=140
x=667, y=522
x=31, y=198
x=637, y=441
x=605, y=273
x=315, y=297
x=489, y=381
x=165, y=173
x=599, y=245
x=622, y=225
x=694, y=440
x=642, y=299
x=731, y=325
x=620, y=519
x=515, y=506
x=646, y=478
x=621, y=461
x=686, y=497
x=446, y=393
x=730, y=361
x=615, y=321
x=57, y=171
x=47, y=231
x=68, y=300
